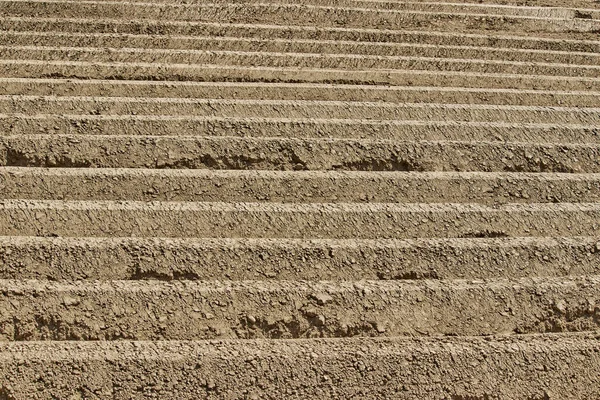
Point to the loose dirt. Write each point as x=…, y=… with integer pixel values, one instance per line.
x=317, y=199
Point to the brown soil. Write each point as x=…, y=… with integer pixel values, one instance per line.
x=316, y=199
x=507, y=367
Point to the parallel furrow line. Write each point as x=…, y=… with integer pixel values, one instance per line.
x=294, y=31
x=352, y=48
x=303, y=14
x=423, y=126
x=166, y=259
x=430, y=367
x=296, y=91
x=227, y=152
x=177, y=58
x=25, y=68
x=287, y=220
x=296, y=186
x=308, y=309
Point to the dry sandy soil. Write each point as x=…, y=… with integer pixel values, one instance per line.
x=300, y=199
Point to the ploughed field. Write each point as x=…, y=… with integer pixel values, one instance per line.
x=366, y=199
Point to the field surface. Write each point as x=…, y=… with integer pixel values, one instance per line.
x=344, y=199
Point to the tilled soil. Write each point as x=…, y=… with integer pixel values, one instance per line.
x=508, y=367
x=316, y=199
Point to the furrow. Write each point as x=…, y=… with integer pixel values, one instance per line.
x=298, y=154
x=191, y=43
x=297, y=91
x=287, y=220
x=550, y=6
x=438, y=368
x=167, y=259
x=573, y=43
x=42, y=310
x=434, y=129
x=296, y=186
x=427, y=6
x=25, y=68
x=177, y=109
x=585, y=4
x=167, y=58
x=283, y=14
